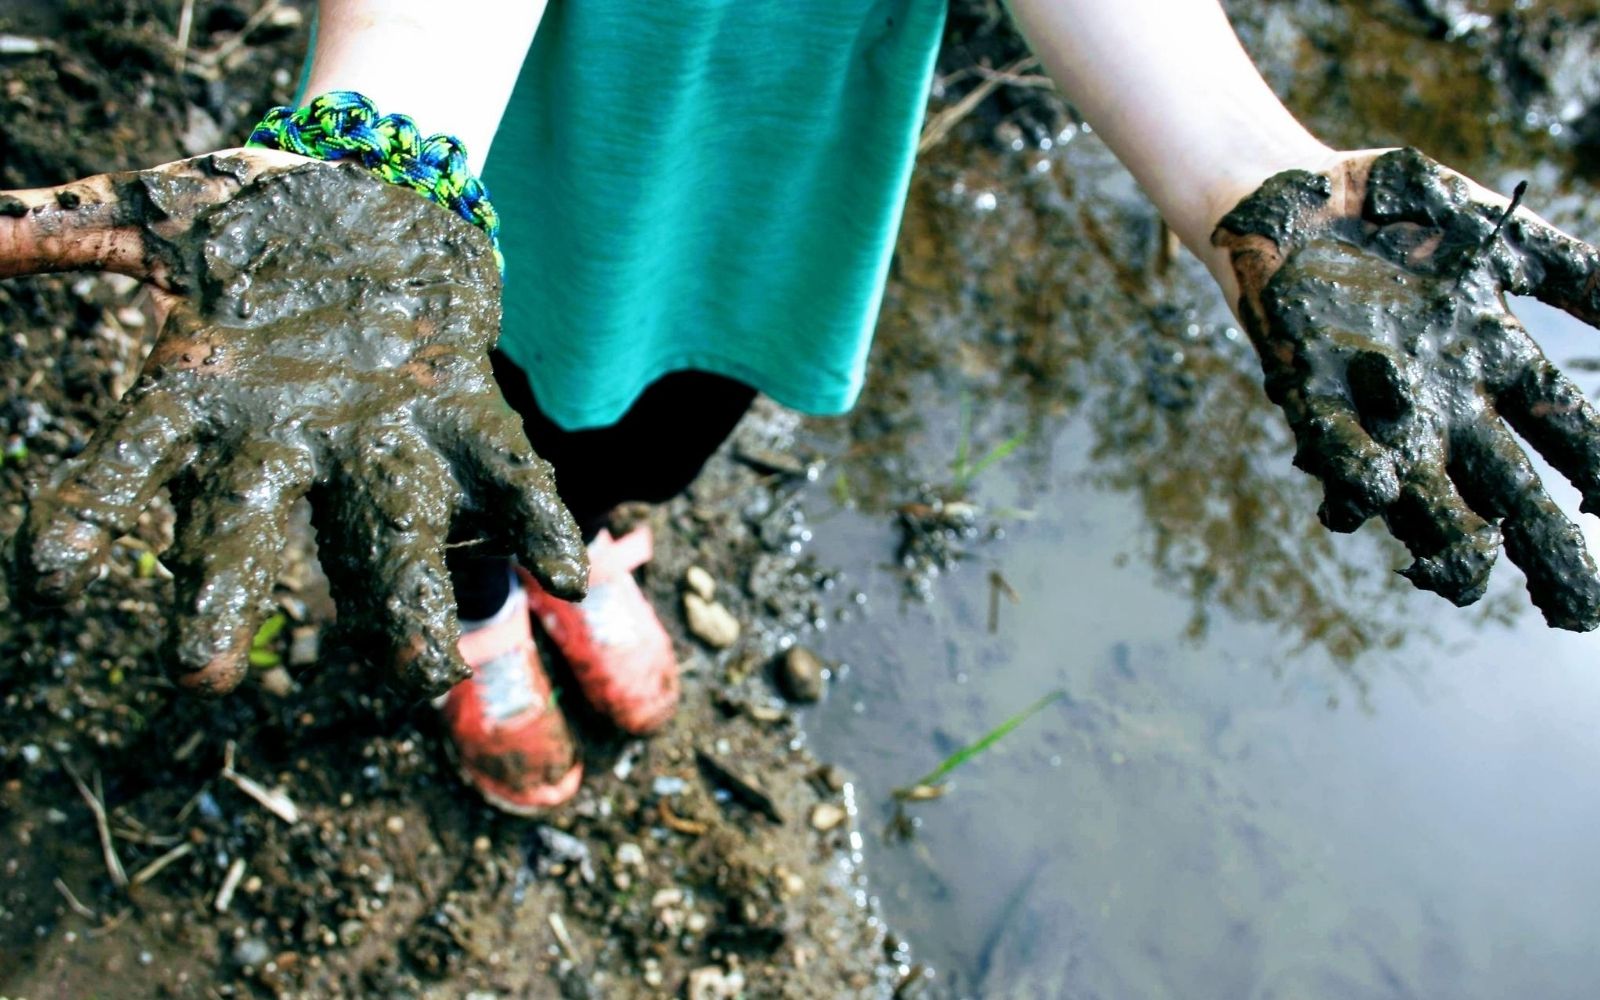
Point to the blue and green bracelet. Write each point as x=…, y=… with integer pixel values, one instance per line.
x=345, y=125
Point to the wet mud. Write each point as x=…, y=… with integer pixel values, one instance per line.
x=327, y=336
x=1375, y=298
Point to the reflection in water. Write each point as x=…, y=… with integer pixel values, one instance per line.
x=1052, y=298
x=1180, y=826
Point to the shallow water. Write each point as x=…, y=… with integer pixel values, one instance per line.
x=1278, y=770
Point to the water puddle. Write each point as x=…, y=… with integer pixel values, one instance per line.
x=1278, y=770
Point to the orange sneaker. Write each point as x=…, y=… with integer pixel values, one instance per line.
x=620, y=653
x=512, y=742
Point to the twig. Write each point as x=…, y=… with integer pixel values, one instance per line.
x=230, y=882
x=185, y=22
x=559, y=927
x=72, y=901
x=274, y=801
x=96, y=803
x=690, y=827
x=998, y=585
x=21, y=45
x=153, y=869
x=215, y=57
x=940, y=124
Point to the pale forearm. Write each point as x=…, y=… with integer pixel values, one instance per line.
x=407, y=56
x=1166, y=84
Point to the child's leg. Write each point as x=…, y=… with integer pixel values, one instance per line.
x=651, y=454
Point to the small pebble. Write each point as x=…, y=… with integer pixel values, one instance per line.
x=668, y=784
x=802, y=675
x=481, y=844
x=710, y=622
x=665, y=898
x=305, y=643
x=395, y=824
x=630, y=855
x=826, y=816
x=277, y=682
x=700, y=582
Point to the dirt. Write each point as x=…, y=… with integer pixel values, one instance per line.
x=339, y=855
x=670, y=869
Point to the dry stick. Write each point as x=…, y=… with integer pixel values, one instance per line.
x=275, y=802
x=73, y=902
x=119, y=876
x=153, y=869
x=215, y=57
x=185, y=21
x=564, y=939
x=940, y=124
x=230, y=882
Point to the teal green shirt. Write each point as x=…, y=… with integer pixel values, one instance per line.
x=706, y=184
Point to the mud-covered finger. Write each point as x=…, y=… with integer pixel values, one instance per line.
x=1453, y=548
x=1357, y=473
x=1550, y=411
x=514, y=493
x=1554, y=266
x=381, y=526
x=233, y=526
x=99, y=494
x=1498, y=481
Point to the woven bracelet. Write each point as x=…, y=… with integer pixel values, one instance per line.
x=344, y=125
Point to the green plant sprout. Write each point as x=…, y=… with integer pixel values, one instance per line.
x=930, y=786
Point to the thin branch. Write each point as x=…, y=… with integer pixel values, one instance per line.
x=73, y=902
x=153, y=869
x=939, y=125
x=96, y=803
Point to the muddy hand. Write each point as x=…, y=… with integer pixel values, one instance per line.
x=326, y=335
x=1374, y=295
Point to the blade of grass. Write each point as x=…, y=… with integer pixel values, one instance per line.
x=982, y=743
x=997, y=453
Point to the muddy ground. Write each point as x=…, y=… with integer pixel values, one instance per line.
x=393, y=880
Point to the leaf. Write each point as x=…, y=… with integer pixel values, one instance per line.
x=269, y=630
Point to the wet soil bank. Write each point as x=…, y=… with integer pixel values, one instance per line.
x=306, y=836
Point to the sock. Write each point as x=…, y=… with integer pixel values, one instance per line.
x=509, y=604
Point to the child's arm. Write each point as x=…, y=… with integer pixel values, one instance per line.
x=1166, y=84
x=450, y=66
x=1373, y=286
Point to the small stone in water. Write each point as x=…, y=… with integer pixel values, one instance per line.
x=802, y=675
x=826, y=816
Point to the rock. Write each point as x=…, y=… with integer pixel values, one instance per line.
x=709, y=982
x=666, y=897
x=305, y=643
x=251, y=951
x=802, y=675
x=700, y=582
x=710, y=622
x=630, y=855
x=131, y=317
x=827, y=816
x=277, y=682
